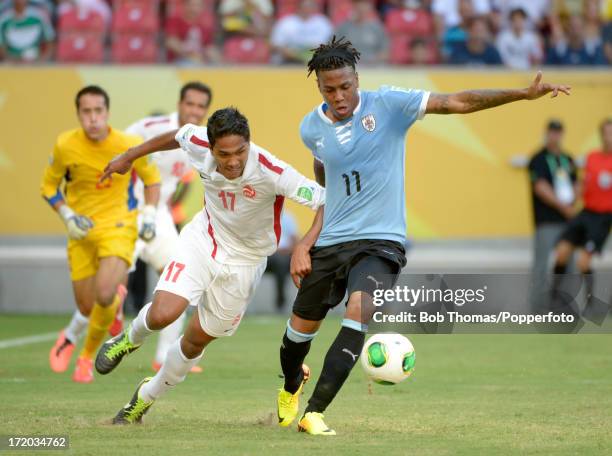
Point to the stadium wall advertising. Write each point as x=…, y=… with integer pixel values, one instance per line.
x=459, y=184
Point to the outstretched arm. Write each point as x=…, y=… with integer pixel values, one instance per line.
x=477, y=100
x=121, y=164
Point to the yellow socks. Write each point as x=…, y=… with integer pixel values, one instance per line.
x=100, y=320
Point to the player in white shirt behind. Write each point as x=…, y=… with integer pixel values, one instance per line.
x=193, y=104
x=221, y=254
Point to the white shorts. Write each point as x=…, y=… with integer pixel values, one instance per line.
x=158, y=252
x=221, y=291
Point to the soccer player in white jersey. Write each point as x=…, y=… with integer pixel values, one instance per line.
x=221, y=254
x=194, y=101
x=358, y=142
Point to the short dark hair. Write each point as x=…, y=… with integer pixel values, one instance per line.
x=92, y=90
x=200, y=87
x=519, y=11
x=335, y=54
x=225, y=122
x=554, y=124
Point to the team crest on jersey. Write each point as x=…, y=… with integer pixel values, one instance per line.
x=369, y=122
x=248, y=191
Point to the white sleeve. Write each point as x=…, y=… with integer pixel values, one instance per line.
x=300, y=189
x=137, y=129
x=193, y=139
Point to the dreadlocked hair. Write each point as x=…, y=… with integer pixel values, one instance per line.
x=338, y=53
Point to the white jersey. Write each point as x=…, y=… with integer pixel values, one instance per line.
x=172, y=164
x=243, y=214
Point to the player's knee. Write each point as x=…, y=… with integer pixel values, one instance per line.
x=584, y=262
x=563, y=252
x=191, y=348
x=159, y=317
x=105, y=294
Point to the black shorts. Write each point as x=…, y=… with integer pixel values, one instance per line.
x=362, y=265
x=589, y=230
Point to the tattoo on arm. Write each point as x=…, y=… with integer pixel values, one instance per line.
x=471, y=101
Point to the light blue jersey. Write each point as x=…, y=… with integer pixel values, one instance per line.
x=364, y=164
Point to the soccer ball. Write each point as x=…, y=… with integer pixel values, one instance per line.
x=388, y=358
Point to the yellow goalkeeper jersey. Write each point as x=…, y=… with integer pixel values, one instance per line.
x=79, y=162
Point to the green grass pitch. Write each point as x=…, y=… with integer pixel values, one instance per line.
x=469, y=395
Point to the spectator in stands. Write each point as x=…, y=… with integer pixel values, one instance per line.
x=477, y=50
x=99, y=6
x=606, y=35
x=591, y=14
x=189, y=37
x=420, y=53
x=519, y=48
x=295, y=35
x=537, y=13
x=45, y=6
x=367, y=33
x=446, y=13
x=26, y=34
x=571, y=48
x=246, y=17
x=553, y=192
x=456, y=34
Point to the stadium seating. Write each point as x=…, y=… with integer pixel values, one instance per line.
x=409, y=22
x=134, y=48
x=286, y=7
x=246, y=50
x=81, y=20
x=80, y=47
x=136, y=16
x=175, y=7
x=341, y=10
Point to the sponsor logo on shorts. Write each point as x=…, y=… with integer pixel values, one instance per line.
x=305, y=193
x=249, y=192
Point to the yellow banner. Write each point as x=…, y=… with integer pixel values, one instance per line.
x=459, y=183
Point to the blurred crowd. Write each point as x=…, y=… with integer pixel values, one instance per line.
x=515, y=33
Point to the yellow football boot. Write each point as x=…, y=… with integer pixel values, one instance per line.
x=313, y=424
x=288, y=404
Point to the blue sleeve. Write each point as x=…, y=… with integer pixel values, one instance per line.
x=308, y=137
x=405, y=105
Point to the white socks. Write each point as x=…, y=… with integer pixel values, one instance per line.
x=138, y=329
x=167, y=337
x=174, y=369
x=76, y=327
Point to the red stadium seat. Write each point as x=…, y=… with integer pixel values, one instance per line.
x=175, y=7
x=80, y=47
x=134, y=48
x=286, y=7
x=246, y=50
x=83, y=20
x=341, y=10
x=409, y=22
x=136, y=16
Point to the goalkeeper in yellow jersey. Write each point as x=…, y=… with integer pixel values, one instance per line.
x=100, y=219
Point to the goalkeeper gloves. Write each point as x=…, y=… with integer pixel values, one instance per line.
x=147, y=230
x=78, y=225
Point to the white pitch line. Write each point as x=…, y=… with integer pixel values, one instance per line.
x=18, y=342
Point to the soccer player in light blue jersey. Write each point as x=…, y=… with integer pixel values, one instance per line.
x=357, y=139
